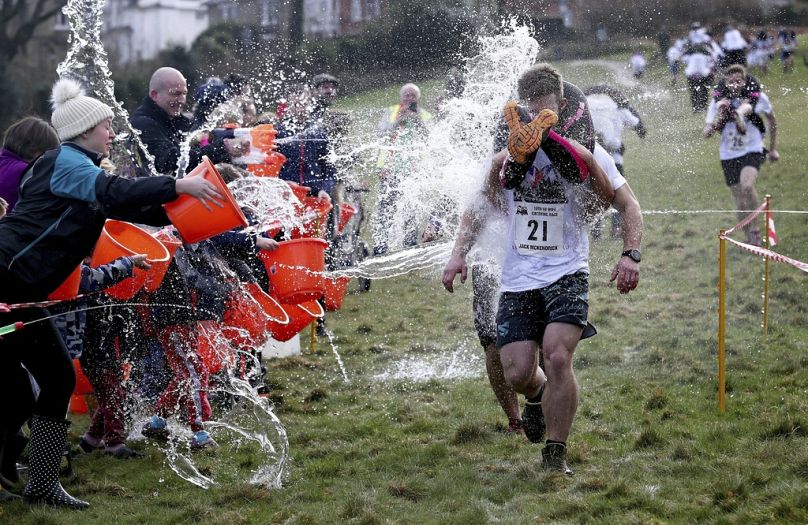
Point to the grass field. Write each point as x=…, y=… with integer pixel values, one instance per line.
x=648, y=444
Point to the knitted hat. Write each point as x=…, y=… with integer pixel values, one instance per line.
x=73, y=111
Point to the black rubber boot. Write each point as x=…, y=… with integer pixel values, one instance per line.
x=13, y=446
x=45, y=452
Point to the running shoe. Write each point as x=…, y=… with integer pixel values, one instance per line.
x=121, y=451
x=514, y=426
x=202, y=440
x=533, y=422
x=156, y=429
x=554, y=458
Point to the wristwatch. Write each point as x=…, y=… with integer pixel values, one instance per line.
x=634, y=255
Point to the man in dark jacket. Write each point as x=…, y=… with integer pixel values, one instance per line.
x=160, y=120
x=304, y=141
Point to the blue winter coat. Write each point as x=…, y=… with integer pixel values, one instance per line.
x=65, y=197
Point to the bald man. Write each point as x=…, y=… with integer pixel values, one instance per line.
x=160, y=120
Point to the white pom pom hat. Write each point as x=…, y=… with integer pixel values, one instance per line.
x=73, y=111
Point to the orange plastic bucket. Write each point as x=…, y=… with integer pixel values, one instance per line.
x=314, y=214
x=271, y=167
x=159, y=268
x=244, y=319
x=299, y=191
x=78, y=404
x=272, y=308
x=335, y=290
x=119, y=239
x=194, y=222
x=69, y=288
x=300, y=316
x=346, y=211
x=295, y=269
x=263, y=137
x=83, y=386
x=274, y=228
x=212, y=348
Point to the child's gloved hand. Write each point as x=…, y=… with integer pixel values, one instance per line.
x=264, y=243
x=139, y=261
x=525, y=139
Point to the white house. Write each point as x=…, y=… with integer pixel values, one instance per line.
x=139, y=29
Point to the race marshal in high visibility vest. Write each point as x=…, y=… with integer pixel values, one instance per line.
x=403, y=126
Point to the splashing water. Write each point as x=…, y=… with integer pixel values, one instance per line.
x=86, y=61
x=461, y=363
x=269, y=199
x=252, y=443
x=442, y=172
x=445, y=172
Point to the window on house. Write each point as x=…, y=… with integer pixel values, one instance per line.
x=269, y=13
x=61, y=21
x=372, y=9
x=229, y=11
x=356, y=10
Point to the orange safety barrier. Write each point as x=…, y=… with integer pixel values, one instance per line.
x=770, y=240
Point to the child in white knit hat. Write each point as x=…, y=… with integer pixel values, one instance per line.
x=65, y=198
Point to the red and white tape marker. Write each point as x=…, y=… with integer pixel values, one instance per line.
x=763, y=252
x=746, y=220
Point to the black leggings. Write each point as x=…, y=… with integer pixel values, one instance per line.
x=40, y=348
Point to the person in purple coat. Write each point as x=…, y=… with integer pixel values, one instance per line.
x=23, y=142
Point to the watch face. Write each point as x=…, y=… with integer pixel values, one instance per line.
x=634, y=255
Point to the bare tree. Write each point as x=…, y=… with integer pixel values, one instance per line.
x=18, y=21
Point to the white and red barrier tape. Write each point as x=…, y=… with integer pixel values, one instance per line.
x=39, y=304
x=746, y=220
x=772, y=236
x=763, y=252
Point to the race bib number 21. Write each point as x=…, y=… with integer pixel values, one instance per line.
x=539, y=228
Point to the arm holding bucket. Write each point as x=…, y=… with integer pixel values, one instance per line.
x=202, y=189
x=139, y=200
x=104, y=276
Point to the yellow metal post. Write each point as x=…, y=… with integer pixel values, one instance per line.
x=313, y=333
x=722, y=321
x=766, y=269
x=313, y=339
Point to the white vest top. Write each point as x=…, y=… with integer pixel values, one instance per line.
x=547, y=238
